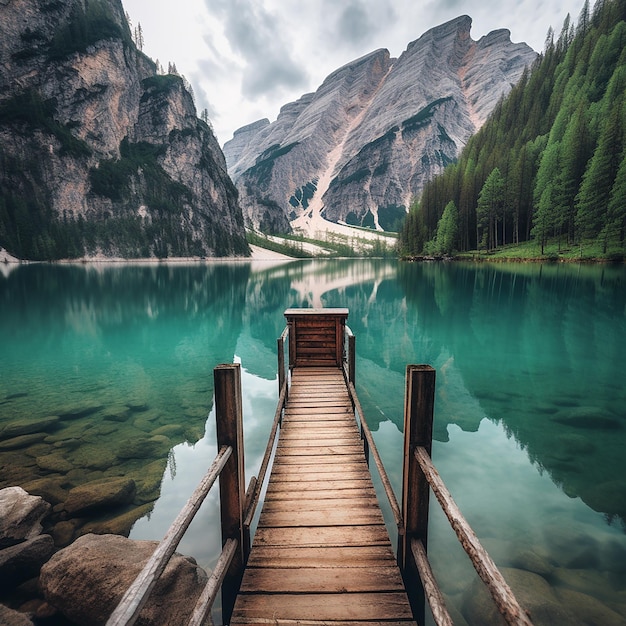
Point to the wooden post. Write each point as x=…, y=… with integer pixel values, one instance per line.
x=419, y=403
x=281, y=363
x=291, y=330
x=352, y=359
x=229, y=422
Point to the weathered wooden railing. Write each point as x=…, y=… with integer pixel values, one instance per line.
x=228, y=467
x=238, y=510
x=419, y=475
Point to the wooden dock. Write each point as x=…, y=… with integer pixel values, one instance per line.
x=321, y=552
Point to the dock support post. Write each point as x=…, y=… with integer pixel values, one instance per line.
x=281, y=363
x=229, y=422
x=419, y=403
x=351, y=353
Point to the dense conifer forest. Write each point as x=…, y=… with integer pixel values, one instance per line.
x=550, y=163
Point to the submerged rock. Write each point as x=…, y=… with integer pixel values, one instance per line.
x=24, y=560
x=20, y=516
x=120, y=524
x=9, y=617
x=28, y=426
x=23, y=441
x=137, y=448
x=80, y=411
x=95, y=457
x=588, y=418
x=100, y=494
x=51, y=489
x=590, y=610
x=532, y=592
x=86, y=581
x=54, y=462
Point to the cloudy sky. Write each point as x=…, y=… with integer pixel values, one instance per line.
x=246, y=58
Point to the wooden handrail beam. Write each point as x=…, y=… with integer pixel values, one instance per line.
x=254, y=500
x=483, y=564
x=127, y=611
x=391, y=496
x=202, y=611
x=431, y=588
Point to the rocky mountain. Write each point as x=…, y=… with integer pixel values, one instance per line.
x=361, y=147
x=99, y=154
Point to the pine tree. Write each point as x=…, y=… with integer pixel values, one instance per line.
x=448, y=230
x=615, y=221
x=544, y=220
x=490, y=202
x=574, y=155
x=593, y=198
x=139, y=37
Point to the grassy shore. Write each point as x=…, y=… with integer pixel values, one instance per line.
x=590, y=251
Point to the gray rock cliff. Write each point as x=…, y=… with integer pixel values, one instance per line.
x=362, y=146
x=99, y=155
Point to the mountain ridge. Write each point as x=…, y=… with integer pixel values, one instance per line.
x=414, y=115
x=101, y=155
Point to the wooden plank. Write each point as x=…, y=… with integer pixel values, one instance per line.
x=308, y=440
x=316, y=461
x=329, y=393
x=317, y=377
x=314, y=413
x=316, y=449
x=322, y=580
x=362, y=516
x=255, y=621
x=313, y=503
x=341, y=418
x=302, y=447
x=322, y=537
x=308, y=427
x=316, y=495
x=325, y=607
x=339, y=557
x=319, y=403
x=287, y=473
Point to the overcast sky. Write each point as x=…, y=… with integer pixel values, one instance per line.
x=246, y=58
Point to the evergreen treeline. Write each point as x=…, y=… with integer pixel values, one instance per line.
x=550, y=163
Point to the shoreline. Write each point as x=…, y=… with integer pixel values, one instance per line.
x=261, y=255
x=257, y=254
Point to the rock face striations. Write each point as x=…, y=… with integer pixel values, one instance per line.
x=363, y=145
x=99, y=154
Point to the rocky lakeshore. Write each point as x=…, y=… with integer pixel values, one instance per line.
x=82, y=583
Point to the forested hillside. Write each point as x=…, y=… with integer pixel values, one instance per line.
x=550, y=163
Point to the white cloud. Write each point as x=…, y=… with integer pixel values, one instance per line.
x=247, y=58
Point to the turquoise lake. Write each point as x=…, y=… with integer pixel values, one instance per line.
x=115, y=362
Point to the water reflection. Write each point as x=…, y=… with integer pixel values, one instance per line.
x=536, y=347
x=107, y=372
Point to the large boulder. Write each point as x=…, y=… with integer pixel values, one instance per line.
x=23, y=561
x=20, y=516
x=86, y=581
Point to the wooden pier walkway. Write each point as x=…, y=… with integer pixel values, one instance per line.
x=321, y=552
